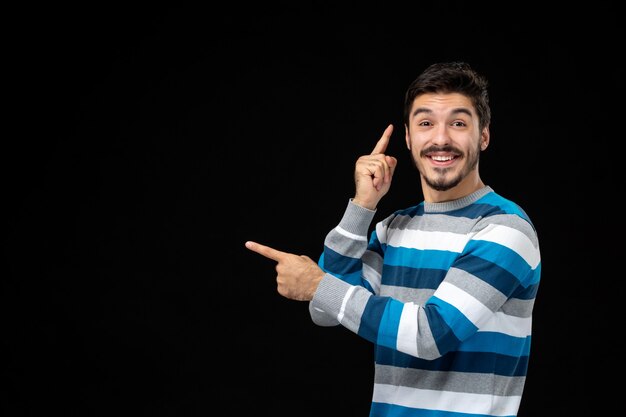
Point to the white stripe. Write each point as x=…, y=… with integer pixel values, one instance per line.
x=344, y=302
x=419, y=239
x=381, y=232
x=510, y=325
x=474, y=310
x=512, y=239
x=455, y=242
x=459, y=402
x=407, y=330
x=350, y=235
x=480, y=315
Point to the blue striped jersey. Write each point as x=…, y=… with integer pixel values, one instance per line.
x=445, y=292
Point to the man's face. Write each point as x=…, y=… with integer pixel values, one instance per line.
x=445, y=139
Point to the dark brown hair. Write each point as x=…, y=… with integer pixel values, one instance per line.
x=451, y=77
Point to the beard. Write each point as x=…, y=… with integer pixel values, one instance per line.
x=441, y=181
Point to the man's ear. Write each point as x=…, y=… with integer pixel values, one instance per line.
x=407, y=138
x=484, y=138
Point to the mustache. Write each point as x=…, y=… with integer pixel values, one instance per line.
x=446, y=148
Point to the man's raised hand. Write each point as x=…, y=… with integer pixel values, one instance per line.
x=373, y=173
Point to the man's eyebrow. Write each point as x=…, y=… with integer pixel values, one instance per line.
x=458, y=110
x=421, y=110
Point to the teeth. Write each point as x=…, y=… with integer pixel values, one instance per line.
x=442, y=158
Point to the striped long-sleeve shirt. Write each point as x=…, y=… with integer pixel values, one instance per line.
x=445, y=291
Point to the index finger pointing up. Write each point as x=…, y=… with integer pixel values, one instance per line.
x=381, y=145
x=266, y=251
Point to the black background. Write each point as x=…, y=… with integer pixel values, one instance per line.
x=145, y=146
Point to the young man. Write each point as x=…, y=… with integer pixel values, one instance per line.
x=444, y=289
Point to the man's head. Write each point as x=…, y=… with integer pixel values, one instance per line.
x=447, y=119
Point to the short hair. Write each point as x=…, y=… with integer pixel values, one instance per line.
x=451, y=77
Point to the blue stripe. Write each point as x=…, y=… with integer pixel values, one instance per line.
x=414, y=211
x=440, y=312
x=502, y=256
x=371, y=317
x=400, y=276
x=482, y=362
x=390, y=322
x=500, y=343
x=393, y=410
x=494, y=275
x=526, y=293
x=352, y=278
x=534, y=279
x=341, y=264
x=375, y=245
x=419, y=258
x=506, y=206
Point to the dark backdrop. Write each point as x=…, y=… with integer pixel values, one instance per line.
x=146, y=146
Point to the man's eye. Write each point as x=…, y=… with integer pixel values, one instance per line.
x=458, y=124
x=424, y=123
